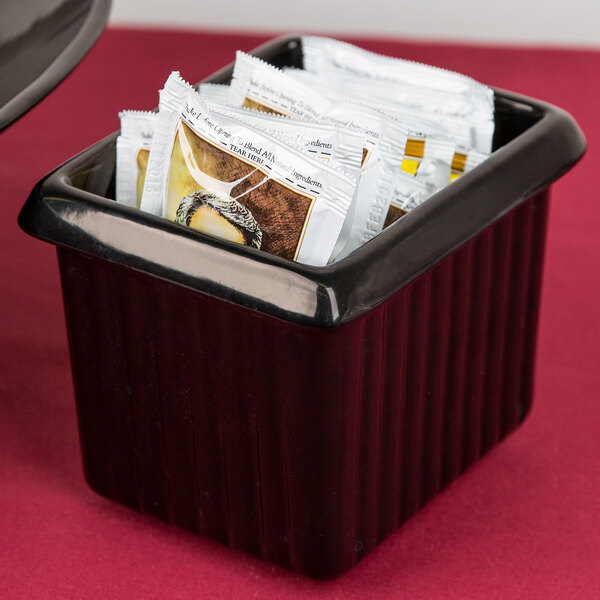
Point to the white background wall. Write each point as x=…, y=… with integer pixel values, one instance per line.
x=566, y=22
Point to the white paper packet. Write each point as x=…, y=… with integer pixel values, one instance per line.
x=221, y=176
x=260, y=86
x=320, y=53
x=214, y=92
x=407, y=193
x=334, y=145
x=462, y=120
x=133, y=148
x=408, y=96
x=371, y=204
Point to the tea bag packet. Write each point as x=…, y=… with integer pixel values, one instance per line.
x=464, y=160
x=133, y=148
x=426, y=157
x=219, y=175
x=214, y=92
x=410, y=97
x=325, y=54
x=333, y=145
x=407, y=193
x=372, y=200
x=361, y=120
x=260, y=86
x=470, y=130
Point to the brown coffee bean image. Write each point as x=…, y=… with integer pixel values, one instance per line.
x=223, y=217
x=394, y=213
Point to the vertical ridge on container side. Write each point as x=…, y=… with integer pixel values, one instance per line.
x=416, y=377
x=540, y=204
x=213, y=511
x=436, y=405
x=235, y=389
x=396, y=324
x=478, y=346
x=369, y=428
x=502, y=287
x=350, y=391
x=458, y=370
x=271, y=449
x=114, y=375
x=145, y=393
x=523, y=241
x=283, y=544
x=177, y=386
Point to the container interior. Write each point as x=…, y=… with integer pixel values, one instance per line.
x=97, y=175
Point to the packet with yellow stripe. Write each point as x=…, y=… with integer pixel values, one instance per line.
x=133, y=149
x=431, y=112
x=463, y=160
x=258, y=85
x=223, y=177
x=435, y=151
x=263, y=87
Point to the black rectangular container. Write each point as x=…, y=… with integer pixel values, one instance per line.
x=299, y=413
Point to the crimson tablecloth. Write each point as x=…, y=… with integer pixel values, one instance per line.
x=522, y=523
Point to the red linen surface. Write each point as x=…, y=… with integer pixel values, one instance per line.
x=524, y=522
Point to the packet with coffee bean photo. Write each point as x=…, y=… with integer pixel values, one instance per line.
x=223, y=177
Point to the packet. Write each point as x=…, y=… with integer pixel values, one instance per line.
x=372, y=200
x=464, y=160
x=260, y=86
x=415, y=98
x=328, y=143
x=263, y=87
x=407, y=194
x=133, y=148
x=323, y=56
x=320, y=54
x=214, y=92
x=434, y=113
x=220, y=176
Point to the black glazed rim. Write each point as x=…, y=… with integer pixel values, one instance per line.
x=536, y=144
x=86, y=19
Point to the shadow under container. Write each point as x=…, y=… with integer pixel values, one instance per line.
x=301, y=414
